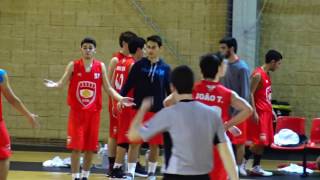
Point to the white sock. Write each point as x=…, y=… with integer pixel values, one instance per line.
x=85, y=174
x=75, y=175
x=152, y=167
x=132, y=168
x=117, y=165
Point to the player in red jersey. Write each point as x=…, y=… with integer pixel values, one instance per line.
x=210, y=92
x=5, y=146
x=86, y=78
x=260, y=128
x=124, y=39
x=136, y=46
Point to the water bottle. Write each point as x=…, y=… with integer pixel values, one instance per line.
x=147, y=159
x=125, y=163
x=103, y=158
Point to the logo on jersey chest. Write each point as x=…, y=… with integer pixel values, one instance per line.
x=96, y=75
x=210, y=87
x=86, y=92
x=269, y=94
x=208, y=97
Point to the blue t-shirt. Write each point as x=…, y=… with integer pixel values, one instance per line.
x=2, y=73
x=147, y=79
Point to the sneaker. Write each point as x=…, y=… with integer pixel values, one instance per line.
x=129, y=176
x=258, y=171
x=152, y=176
x=117, y=173
x=76, y=178
x=109, y=172
x=140, y=171
x=242, y=170
x=84, y=178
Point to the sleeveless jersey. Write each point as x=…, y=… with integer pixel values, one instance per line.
x=262, y=96
x=214, y=94
x=121, y=72
x=85, y=87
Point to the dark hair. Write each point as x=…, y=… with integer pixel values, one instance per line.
x=126, y=37
x=89, y=40
x=156, y=39
x=136, y=43
x=209, y=64
x=182, y=79
x=230, y=42
x=272, y=55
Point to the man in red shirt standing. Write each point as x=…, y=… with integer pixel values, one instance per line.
x=121, y=72
x=119, y=57
x=86, y=78
x=212, y=93
x=260, y=128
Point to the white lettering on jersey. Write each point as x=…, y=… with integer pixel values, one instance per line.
x=121, y=68
x=208, y=97
x=119, y=81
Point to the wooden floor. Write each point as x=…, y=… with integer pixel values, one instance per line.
x=26, y=156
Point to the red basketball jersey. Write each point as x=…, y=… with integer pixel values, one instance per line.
x=214, y=94
x=262, y=96
x=121, y=72
x=85, y=87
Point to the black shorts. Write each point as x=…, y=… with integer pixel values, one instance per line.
x=185, y=177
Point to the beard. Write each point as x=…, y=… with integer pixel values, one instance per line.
x=227, y=54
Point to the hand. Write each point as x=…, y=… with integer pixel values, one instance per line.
x=235, y=131
x=50, y=84
x=255, y=117
x=125, y=102
x=115, y=111
x=33, y=121
x=263, y=137
x=147, y=103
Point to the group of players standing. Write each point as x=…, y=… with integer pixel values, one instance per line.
x=136, y=73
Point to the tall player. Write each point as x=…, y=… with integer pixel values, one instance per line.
x=261, y=129
x=86, y=77
x=148, y=77
x=122, y=69
x=117, y=83
x=210, y=92
x=237, y=79
x=5, y=146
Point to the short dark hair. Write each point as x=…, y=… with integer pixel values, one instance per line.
x=230, y=42
x=89, y=40
x=136, y=43
x=273, y=55
x=182, y=79
x=155, y=38
x=126, y=37
x=209, y=64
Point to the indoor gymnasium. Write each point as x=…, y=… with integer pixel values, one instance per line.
x=159, y=89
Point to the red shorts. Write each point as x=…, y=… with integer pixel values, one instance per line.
x=243, y=137
x=113, y=117
x=5, y=146
x=125, y=119
x=83, y=130
x=218, y=172
x=263, y=128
